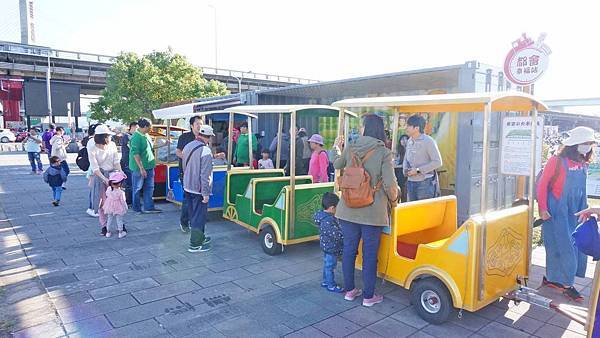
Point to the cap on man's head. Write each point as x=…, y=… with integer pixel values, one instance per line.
x=206, y=130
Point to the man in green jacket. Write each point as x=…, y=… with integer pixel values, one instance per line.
x=142, y=164
x=241, y=150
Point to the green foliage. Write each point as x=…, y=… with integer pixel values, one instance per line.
x=137, y=85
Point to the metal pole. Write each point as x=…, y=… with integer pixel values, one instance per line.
x=251, y=155
x=532, y=174
x=292, y=172
x=483, y=198
x=230, y=142
x=48, y=93
x=279, y=138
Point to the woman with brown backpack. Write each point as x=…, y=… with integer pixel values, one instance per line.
x=369, y=190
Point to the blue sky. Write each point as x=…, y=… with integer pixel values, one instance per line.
x=328, y=40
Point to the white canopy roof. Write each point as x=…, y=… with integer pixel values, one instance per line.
x=187, y=110
x=464, y=102
x=281, y=108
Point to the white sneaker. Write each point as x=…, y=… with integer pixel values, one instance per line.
x=122, y=234
x=91, y=213
x=108, y=234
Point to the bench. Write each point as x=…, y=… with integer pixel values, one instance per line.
x=238, y=180
x=267, y=189
x=430, y=222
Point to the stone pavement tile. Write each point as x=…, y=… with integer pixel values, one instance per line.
x=48, y=329
x=333, y=302
x=491, y=312
x=222, y=277
x=362, y=316
x=532, y=311
x=310, y=319
x=314, y=276
x=165, y=291
x=307, y=332
x=258, y=281
x=33, y=318
x=222, y=266
x=389, y=327
x=187, y=320
x=266, y=265
x=70, y=300
x=18, y=293
x=552, y=331
x=60, y=279
x=88, y=327
x=123, y=288
x=303, y=268
x=520, y=322
x=146, y=328
x=337, y=326
x=399, y=294
x=387, y=307
x=81, y=259
x=65, y=289
x=262, y=310
x=30, y=304
x=143, y=270
x=410, y=317
x=297, y=306
x=95, y=308
x=566, y=323
x=214, y=296
x=497, y=330
x=108, y=262
x=470, y=321
x=95, y=271
x=141, y=312
x=447, y=330
x=177, y=276
x=203, y=332
x=244, y=327
x=421, y=334
x=364, y=333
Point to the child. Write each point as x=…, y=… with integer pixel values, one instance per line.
x=114, y=205
x=220, y=158
x=55, y=176
x=265, y=162
x=331, y=240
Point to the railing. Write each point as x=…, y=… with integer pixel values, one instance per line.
x=17, y=48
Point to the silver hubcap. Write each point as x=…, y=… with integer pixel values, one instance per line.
x=430, y=301
x=268, y=240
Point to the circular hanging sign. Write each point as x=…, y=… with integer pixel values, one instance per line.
x=527, y=61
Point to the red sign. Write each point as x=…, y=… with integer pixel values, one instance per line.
x=527, y=61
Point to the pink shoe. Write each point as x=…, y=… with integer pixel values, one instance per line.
x=368, y=302
x=352, y=294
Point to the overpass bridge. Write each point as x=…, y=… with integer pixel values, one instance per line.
x=89, y=70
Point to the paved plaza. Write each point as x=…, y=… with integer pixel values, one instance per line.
x=59, y=278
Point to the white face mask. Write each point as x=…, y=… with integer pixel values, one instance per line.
x=583, y=149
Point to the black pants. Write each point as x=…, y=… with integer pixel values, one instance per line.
x=198, y=213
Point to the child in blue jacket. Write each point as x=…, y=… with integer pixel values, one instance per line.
x=331, y=240
x=55, y=176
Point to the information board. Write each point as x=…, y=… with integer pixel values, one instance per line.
x=516, y=146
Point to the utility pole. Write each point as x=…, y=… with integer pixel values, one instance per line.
x=48, y=93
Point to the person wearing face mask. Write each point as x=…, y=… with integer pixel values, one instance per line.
x=561, y=194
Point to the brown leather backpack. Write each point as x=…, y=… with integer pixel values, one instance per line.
x=355, y=183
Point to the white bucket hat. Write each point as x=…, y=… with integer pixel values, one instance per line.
x=103, y=129
x=580, y=135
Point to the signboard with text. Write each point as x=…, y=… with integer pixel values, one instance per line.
x=527, y=61
x=516, y=146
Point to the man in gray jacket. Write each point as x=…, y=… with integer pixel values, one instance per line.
x=197, y=168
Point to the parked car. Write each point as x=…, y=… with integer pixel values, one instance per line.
x=7, y=136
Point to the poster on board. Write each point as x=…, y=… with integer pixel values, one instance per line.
x=593, y=179
x=516, y=146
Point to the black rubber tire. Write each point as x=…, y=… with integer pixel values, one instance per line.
x=4, y=139
x=268, y=242
x=429, y=285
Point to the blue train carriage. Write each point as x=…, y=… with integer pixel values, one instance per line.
x=221, y=121
x=277, y=207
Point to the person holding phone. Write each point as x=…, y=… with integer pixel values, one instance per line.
x=33, y=146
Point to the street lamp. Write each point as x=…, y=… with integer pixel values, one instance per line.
x=239, y=80
x=48, y=93
x=216, y=40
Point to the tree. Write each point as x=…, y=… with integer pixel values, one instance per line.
x=137, y=85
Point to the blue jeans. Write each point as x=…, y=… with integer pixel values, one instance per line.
x=184, y=219
x=34, y=157
x=144, y=186
x=56, y=192
x=329, y=264
x=371, y=236
x=198, y=213
x=420, y=190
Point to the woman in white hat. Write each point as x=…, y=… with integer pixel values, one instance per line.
x=104, y=159
x=561, y=194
